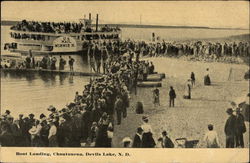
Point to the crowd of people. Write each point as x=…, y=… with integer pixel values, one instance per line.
x=57, y=27
x=89, y=120
x=199, y=51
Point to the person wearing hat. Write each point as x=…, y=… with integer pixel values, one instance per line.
x=138, y=138
x=110, y=133
x=207, y=80
x=52, y=137
x=172, y=96
x=35, y=134
x=126, y=142
x=93, y=132
x=44, y=133
x=211, y=138
x=166, y=142
x=156, y=95
x=31, y=117
x=147, y=136
x=240, y=128
x=188, y=86
x=102, y=139
x=7, y=112
x=118, y=108
x=192, y=78
x=42, y=117
x=230, y=129
x=6, y=137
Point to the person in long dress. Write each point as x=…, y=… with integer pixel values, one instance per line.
x=188, y=86
x=207, y=80
x=147, y=136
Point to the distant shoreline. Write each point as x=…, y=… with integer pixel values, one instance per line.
x=10, y=22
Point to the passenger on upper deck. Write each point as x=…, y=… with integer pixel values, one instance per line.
x=56, y=27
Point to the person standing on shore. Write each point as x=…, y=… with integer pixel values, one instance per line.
x=207, y=80
x=62, y=63
x=138, y=138
x=240, y=129
x=147, y=136
x=172, y=96
x=230, y=129
x=192, y=78
x=166, y=142
x=71, y=63
x=188, y=90
x=53, y=63
x=28, y=62
x=211, y=138
x=156, y=96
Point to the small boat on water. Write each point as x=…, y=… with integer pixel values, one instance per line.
x=9, y=58
x=58, y=37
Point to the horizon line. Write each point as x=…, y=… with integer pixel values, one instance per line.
x=141, y=25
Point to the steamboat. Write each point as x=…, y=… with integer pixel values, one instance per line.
x=58, y=38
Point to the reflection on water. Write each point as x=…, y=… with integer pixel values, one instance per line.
x=34, y=92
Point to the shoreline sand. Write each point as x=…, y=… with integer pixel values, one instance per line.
x=190, y=117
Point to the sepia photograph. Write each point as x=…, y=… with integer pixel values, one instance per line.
x=124, y=74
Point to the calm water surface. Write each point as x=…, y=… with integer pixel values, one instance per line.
x=33, y=92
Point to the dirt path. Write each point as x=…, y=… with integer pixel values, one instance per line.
x=190, y=117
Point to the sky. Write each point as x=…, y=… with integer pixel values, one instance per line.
x=229, y=14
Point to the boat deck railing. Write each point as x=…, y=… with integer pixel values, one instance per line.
x=67, y=34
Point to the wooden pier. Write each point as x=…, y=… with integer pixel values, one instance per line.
x=59, y=72
x=153, y=80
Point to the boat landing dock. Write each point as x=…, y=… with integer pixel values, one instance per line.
x=60, y=72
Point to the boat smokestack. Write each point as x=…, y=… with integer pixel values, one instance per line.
x=96, y=22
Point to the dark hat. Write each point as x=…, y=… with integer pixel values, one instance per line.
x=139, y=129
x=144, y=118
x=42, y=116
x=164, y=133
x=51, y=108
x=210, y=125
x=238, y=110
x=229, y=111
x=31, y=115
x=20, y=115
x=7, y=112
x=71, y=105
x=64, y=110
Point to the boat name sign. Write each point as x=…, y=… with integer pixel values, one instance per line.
x=64, y=44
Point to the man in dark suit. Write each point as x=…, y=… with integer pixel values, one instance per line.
x=167, y=142
x=240, y=128
x=230, y=129
x=137, y=139
x=172, y=96
x=6, y=138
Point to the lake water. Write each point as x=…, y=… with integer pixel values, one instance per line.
x=31, y=92
x=26, y=93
